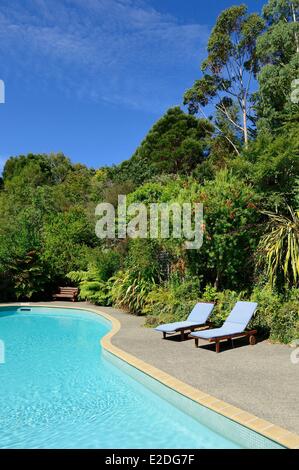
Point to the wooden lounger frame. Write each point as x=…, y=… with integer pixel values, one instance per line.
x=190, y=329
x=186, y=330
x=248, y=333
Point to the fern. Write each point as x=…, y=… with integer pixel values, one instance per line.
x=92, y=287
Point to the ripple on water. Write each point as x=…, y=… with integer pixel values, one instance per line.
x=57, y=391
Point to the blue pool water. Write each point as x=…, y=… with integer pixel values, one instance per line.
x=57, y=390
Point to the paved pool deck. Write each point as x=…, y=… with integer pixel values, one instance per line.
x=259, y=379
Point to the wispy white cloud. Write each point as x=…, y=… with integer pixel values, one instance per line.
x=119, y=51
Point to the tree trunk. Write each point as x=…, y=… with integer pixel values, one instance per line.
x=295, y=21
x=217, y=281
x=245, y=128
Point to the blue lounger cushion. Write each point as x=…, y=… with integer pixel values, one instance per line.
x=197, y=317
x=235, y=323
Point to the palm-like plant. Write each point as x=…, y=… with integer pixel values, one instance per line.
x=279, y=248
x=130, y=290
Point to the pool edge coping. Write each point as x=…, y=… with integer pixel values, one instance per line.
x=260, y=426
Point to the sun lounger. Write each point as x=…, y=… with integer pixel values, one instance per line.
x=198, y=317
x=233, y=327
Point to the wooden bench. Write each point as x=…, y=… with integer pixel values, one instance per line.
x=70, y=293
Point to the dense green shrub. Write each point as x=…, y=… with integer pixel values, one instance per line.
x=67, y=238
x=95, y=285
x=47, y=203
x=277, y=317
x=224, y=302
x=231, y=214
x=106, y=262
x=271, y=164
x=285, y=322
x=278, y=250
x=92, y=287
x=269, y=303
x=171, y=302
x=129, y=291
x=176, y=144
x=141, y=272
x=45, y=229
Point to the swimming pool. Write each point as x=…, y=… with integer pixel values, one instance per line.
x=59, y=389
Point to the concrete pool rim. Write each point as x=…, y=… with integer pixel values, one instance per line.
x=260, y=426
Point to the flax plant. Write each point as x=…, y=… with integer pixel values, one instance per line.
x=279, y=248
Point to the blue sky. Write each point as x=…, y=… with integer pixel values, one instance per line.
x=90, y=77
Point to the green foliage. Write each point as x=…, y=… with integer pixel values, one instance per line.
x=28, y=276
x=170, y=190
x=92, y=287
x=274, y=101
x=170, y=302
x=224, y=302
x=280, y=10
x=271, y=164
x=228, y=70
x=74, y=189
x=233, y=37
x=44, y=210
x=269, y=302
x=175, y=300
x=285, y=323
x=279, y=249
x=20, y=247
x=143, y=259
x=296, y=195
x=177, y=143
x=95, y=284
x=244, y=179
x=231, y=231
x=106, y=262
x=277, y=316
x=67, y=237
x=37, y=169
x=129, y=291
x=131, y=286
x=278, y=53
